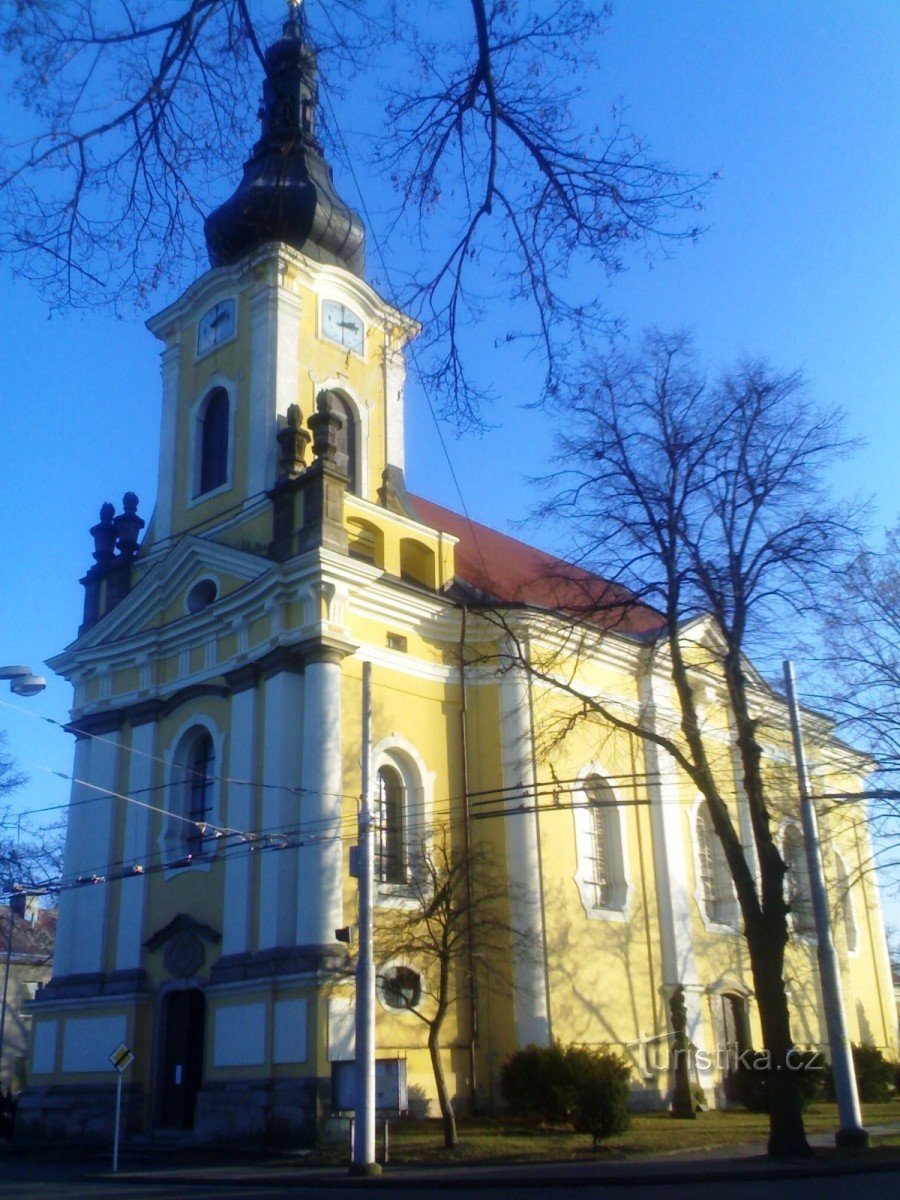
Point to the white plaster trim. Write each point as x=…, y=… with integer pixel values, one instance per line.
x=194, y=417
x=360, y=409
x=418, y=794
x=582, y=817
x=731, y=928
x=389, y=965
x=172, y=840
x=809, y=938
x=847, y=898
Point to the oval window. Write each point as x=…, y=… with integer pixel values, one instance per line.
x=201, y=595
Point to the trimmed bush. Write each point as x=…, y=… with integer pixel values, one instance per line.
x=535, y=1084
x=556, y=1085
x=601, y=1085
x=751, y=1079
x=875, y=1076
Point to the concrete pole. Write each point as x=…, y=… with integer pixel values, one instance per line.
x=851, y=1132
x=364, y=1124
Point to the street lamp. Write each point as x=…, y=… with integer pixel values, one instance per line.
x=23, y=681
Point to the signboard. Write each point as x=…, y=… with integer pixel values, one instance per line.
x=121, y=1058
x=391, y=1097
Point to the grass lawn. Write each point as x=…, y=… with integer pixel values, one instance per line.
x=485, y=1139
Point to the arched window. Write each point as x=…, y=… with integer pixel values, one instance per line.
x=417, y=563
x=199, y=781
x=602, y=862
x=714, y=884
x=391, y=864
x=192, y=797
x=214, y=423
x=347, y=442
x=799, y=896
x=845, y=901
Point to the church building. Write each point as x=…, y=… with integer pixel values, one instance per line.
x=217, y=681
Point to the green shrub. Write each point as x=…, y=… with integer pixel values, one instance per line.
x=875, y=1076
x=587, y=1088
x=535, y=1084
x=751, y=1079
x=601, y=1086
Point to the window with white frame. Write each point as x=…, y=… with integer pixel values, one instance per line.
x=845, y=902
x=192, y=794
x=391, y=857
x=347, y=442
x=400, y=987
x=598, y=827
x=714, y=883
x=799, y=894
x=214, y=420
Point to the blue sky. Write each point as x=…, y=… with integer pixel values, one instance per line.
x=795, y=105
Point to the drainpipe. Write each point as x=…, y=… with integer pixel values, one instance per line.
x=467, y=846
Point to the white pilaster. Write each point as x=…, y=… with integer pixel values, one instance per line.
x=96, y=856
x=133, y=889
x=671, y=855
x=281, y=808
x=76, y=836
x=523, y=862
x=165, y=491
x=394, y=383
x=320, y=910
x=239, y=815
x=274, y=349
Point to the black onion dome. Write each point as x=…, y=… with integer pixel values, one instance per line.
x=287, y=193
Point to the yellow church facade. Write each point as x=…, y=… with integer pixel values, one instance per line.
x=217, y=713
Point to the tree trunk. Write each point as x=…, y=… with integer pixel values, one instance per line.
x=451, y=1137
x=787, y=1135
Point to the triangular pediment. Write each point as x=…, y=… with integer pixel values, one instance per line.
x=159, y=598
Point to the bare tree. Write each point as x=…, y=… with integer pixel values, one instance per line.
x=861, y=676
x=27, y=859
x=703, y=501
x=125, y=120
x=453, y=926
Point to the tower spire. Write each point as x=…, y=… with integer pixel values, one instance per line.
x=287, y=193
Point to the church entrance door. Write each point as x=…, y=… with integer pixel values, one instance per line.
x=184, y=1021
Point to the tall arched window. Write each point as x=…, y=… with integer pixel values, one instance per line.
x=602, y=859
x=347, y=443
x=390, y=835
x=714, y=884
x=799, y=895
x=845, y=900
x=214, y=422
x=199, y=780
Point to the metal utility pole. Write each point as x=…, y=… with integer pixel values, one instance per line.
x=364, y=1124
x=851, y=1132
x=17, y=902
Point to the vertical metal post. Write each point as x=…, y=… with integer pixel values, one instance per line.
x=851, y=1132
x=118, y=1120
x=364, y=1126
x=9, y=946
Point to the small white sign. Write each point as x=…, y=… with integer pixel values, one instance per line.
x=121, y=1058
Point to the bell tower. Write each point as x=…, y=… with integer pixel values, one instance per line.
x=282, y=320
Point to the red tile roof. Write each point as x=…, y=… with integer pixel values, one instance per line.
x=509, y=571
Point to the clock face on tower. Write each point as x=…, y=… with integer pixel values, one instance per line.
x=341, y=325
x=216, y=326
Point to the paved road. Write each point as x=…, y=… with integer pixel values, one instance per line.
x=67, y=1183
